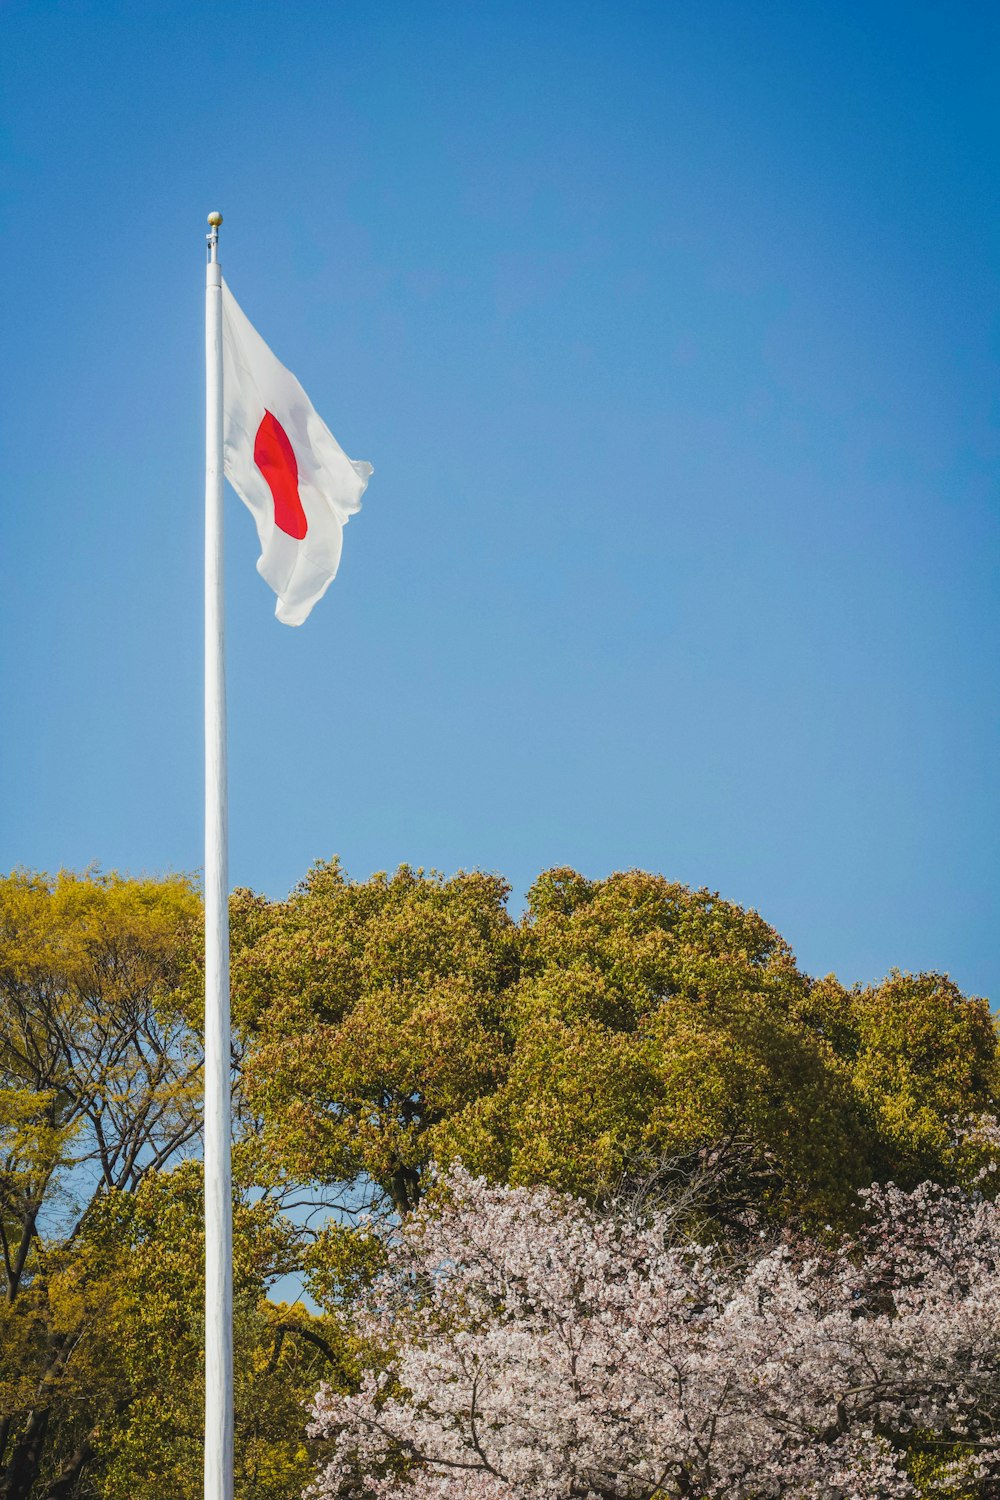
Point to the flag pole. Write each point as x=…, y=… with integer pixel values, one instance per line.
x=218, y=1177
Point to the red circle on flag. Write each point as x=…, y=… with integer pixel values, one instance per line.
x=275, y=458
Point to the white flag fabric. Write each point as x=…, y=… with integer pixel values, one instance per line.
x=286, y=466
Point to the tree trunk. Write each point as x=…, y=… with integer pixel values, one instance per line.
x=62, y=1487
x=404, y=1190
x=20, y=1474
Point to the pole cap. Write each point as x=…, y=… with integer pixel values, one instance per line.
x=215, y=218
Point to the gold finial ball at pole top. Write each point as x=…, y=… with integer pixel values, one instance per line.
x=215, y=219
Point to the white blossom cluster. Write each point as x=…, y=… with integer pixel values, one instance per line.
x=536, y=1348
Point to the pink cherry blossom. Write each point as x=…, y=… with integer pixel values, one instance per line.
x=535, y=1347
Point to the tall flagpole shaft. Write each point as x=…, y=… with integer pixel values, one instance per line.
x=218, y=1174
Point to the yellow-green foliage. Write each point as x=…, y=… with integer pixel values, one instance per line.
x=154, y=1247
x=385, y=1024
x=932, y=1469
x=101, y=1320
x=406, y=1019
x=375, y=1012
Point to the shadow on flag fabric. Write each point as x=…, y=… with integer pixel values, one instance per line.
x=286, y=466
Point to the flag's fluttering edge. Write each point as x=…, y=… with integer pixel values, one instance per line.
x=287, y=468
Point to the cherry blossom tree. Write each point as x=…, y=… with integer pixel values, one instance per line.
x=528, y=1345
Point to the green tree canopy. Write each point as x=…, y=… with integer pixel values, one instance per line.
x=101, y=1241
x=381, y=1025
x=407, y=1019
x=373, y=1011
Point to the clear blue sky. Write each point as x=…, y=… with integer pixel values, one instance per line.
x=671, y=330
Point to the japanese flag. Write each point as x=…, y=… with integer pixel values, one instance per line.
x=286, y=466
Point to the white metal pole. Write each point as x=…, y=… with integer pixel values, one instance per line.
x=218, y=1189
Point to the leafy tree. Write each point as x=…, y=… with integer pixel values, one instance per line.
x=148, y=1251
x=101, y=1322
x=98, y=1083
x=922, y=1056
x=401, y=1020
x=650, y=1020
x=380, y=1026
x=373, y=1011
